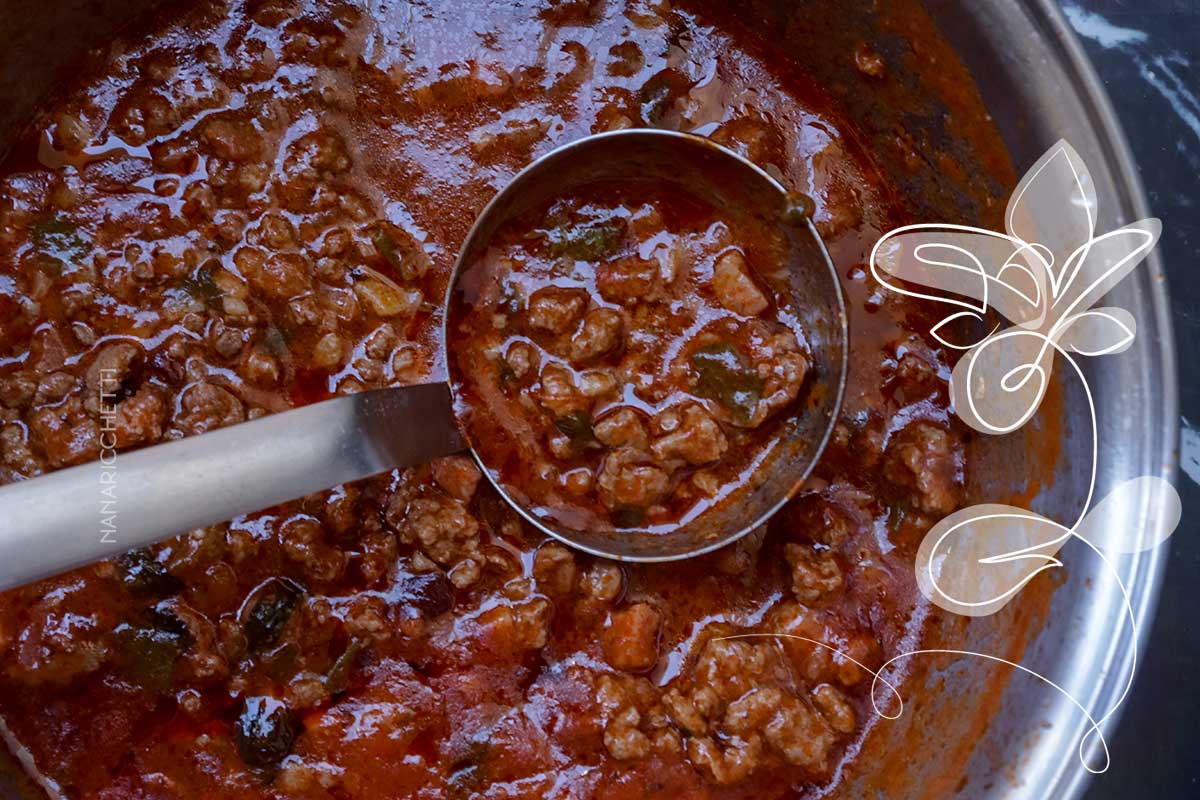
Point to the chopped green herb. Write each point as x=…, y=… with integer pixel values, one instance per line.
x=265, y=731
x=629, y=517
x=339, y=673
x=275, y=342
x=59, y=242
x=588, y=243
x=281, y=664
x=577, y=426
x=147, y=656
x=272, y=609
x=385, y=245
x=201, y=285
x=144, y=575
x=505, y=371
x=723, y=376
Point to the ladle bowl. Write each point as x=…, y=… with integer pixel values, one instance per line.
x=731, y=184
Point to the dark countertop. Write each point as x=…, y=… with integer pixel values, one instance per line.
x=1148, y=54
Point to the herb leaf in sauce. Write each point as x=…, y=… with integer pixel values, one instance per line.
x=722, y=375
x=271, y=611
x=201, y=285
x=577, y=426
x=281, y=662
x=275, y=340
x=148, y=655
x=385, y=245
x=264, y=732
x=505, y=371
x=59, y=241
x=339, y=673
x=429, y=593
x=587, y=243
x=142, y=574
x=629, y=517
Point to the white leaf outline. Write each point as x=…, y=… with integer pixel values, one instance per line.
x=1030, y=369
x=984, y=293
x=1043, y=552
x=1069, y=332
x=1147, y=230
x=1076, y=193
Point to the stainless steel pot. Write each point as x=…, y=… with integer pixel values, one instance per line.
x=967, y=732
x=1039, y=86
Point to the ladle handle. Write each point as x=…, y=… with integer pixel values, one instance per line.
x=127, y=500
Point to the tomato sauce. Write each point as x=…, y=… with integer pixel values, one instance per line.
x=257, y=205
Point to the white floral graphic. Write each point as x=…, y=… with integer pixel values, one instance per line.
x=1044, y=276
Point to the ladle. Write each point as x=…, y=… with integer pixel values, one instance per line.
x=132, y=499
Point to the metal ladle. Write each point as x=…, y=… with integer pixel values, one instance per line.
x=94, y=511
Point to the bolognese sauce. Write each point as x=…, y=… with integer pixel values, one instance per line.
x=256, y=205
x=623, y=362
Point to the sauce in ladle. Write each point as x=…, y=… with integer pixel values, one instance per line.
x=627, y=352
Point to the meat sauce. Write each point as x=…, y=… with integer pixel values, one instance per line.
x=623, y=362
x=258, y=206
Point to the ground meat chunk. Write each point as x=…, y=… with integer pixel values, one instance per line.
x=139, y=418
x=60, y=639
x=303, y=541
x=835, y=707
x=628, y=280
x=754, y=136
x=517, y=626
x=554, y=569
x=458, y=475
x=385, y=299
x=17, y=389
x=15, y=452
x=231, y=138
x=928, y=460
x=521, y=358
x=729, y=764
x=735, y=288
x=603, y=582
x=628, y=479
x=66, y=433
x=815, y=573
x=782, y=365
x=602, y=332
x=55, y=387
x=441, y=525
x=622, y=737
x=631, y=639
x=635, y=724
x=558, y=392
x=554, y=309
x=110, y=368
x=622, y=427
x=801, y=736
x=689, y=435
x=206, y=406
x=278, y=275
